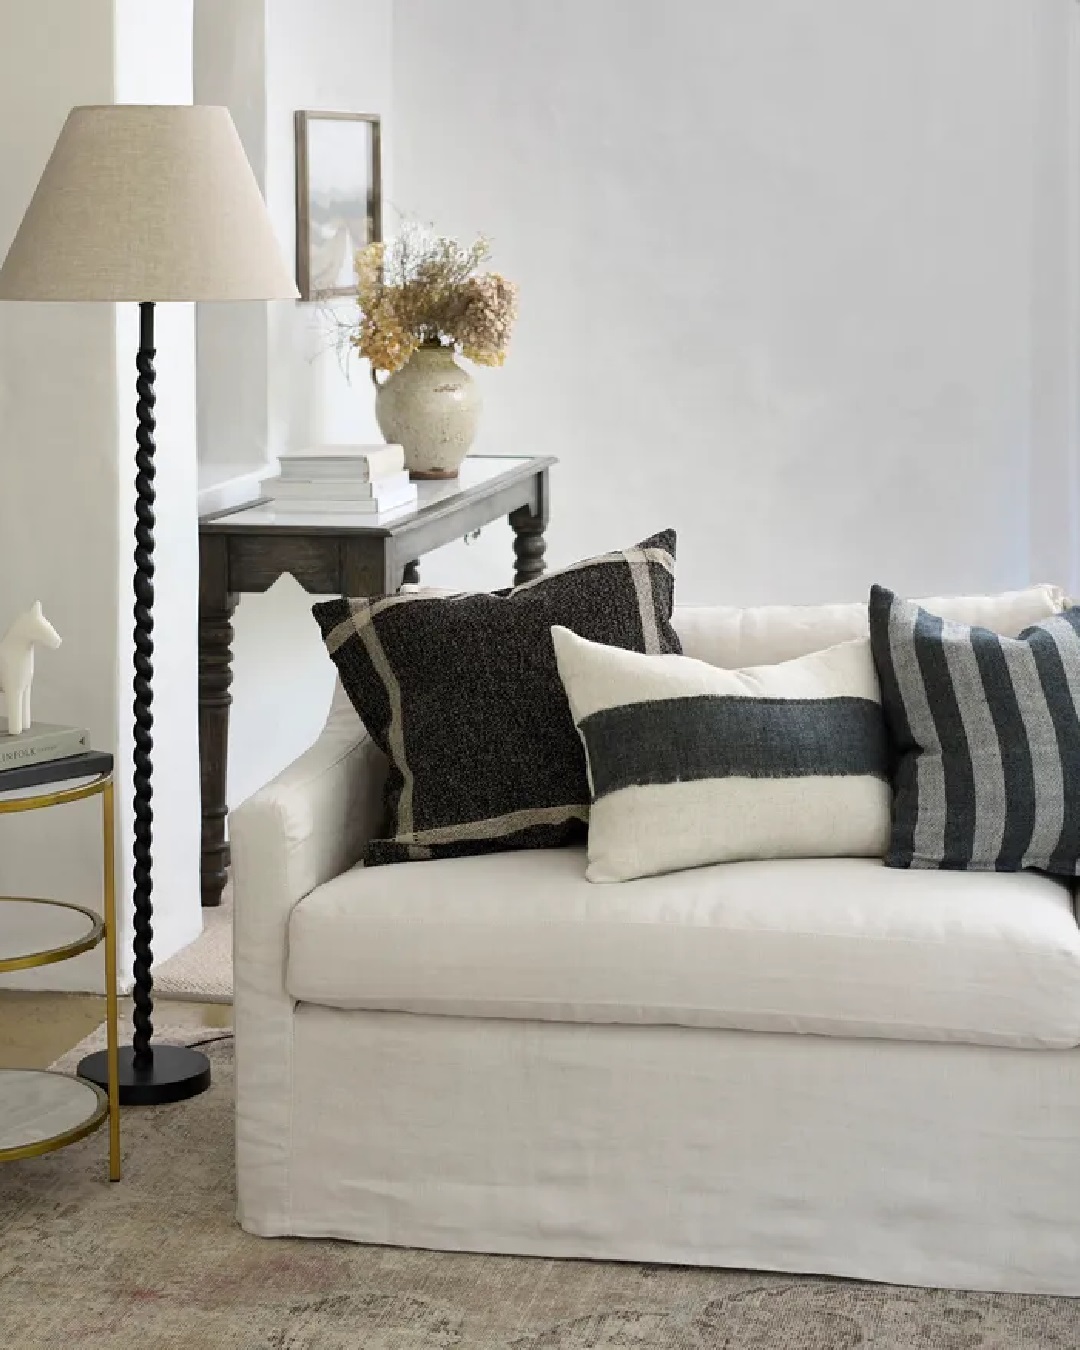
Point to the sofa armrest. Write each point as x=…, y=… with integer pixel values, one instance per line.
x=311, y=822
x=306, y=826
x=299, y=831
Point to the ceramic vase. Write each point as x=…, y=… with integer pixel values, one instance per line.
x=431, y=407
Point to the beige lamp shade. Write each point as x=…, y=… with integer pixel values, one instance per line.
x=147, y=203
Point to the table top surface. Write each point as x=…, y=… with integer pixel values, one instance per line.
x=41, y=1108
x=41, y=932
x=481, y=476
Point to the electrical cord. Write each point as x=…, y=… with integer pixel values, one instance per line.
x=210, y=1040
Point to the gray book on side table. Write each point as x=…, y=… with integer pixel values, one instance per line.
x=87, y=764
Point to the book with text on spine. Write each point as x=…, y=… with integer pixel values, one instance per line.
x=39, y=743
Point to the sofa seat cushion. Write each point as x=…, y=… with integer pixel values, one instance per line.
x=836, y=946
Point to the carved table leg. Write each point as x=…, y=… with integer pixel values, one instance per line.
x=529, y=544
x=215, y=677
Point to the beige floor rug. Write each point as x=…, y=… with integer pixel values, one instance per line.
x=202, y=972
x=157, y=1261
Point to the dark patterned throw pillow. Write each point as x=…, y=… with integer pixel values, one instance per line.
x=463, y=696
x=986, y=730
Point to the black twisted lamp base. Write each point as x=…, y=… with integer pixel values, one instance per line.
x=148, y=1074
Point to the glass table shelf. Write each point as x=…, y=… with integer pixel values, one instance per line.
x=41, y=932
x=41, y=1110
x=53, y=790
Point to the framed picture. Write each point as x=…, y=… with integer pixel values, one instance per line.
x=338, y=198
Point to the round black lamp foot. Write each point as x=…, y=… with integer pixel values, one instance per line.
x=175, y=1074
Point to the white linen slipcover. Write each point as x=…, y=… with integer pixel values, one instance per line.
x=939, y=1165
x=834, y=946
x=915, y=1162
x=727, y=636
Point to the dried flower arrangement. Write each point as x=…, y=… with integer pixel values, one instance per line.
x=421, y=289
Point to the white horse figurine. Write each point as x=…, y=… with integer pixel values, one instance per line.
x=17, y=663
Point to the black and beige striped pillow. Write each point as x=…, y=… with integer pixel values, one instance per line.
x=690, y=764
x=987, y=735
x=462, y=695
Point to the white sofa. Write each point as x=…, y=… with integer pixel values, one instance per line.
x=820, y=1066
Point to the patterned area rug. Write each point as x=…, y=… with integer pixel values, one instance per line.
x=202, y=972
x=157, y=1261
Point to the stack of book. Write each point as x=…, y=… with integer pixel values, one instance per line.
x=359, y=479
x=44, y=753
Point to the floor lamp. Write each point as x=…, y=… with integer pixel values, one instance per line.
x=146, y=204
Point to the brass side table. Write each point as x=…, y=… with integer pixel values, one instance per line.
x=41, y=1109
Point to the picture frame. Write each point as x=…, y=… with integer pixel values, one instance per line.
x=338, y=198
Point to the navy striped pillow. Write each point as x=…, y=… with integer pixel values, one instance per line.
x=986, y=731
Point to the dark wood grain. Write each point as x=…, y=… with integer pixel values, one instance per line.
x=364, y=568
x=256, y=561
x=529, y=523
x=517, y=481
x=329, y=557
x=216, y=606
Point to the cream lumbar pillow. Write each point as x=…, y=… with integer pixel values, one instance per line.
x=690, y=764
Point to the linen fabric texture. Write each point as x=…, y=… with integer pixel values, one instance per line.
x=662, y=1144
x=842, y=947
x=501, y=1132
x=987, y=733
x=462, y=694
x=733, y=637
x=690, y=764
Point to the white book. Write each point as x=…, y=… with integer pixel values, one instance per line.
x=309, y=511
x=327, y=489
x=369, y=506
x=357, y=462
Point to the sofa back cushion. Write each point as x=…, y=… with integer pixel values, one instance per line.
x=732, y=638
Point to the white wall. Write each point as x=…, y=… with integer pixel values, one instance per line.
x=154, y=65
x=328, y=55
x=58, y=460
x=1055, y=295
x=792, y=276
x=67, y=465
x=230, y=68
x=798, y=278
x=332, y=55
x=263, y=61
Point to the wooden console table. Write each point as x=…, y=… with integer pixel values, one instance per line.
x=337, y=553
